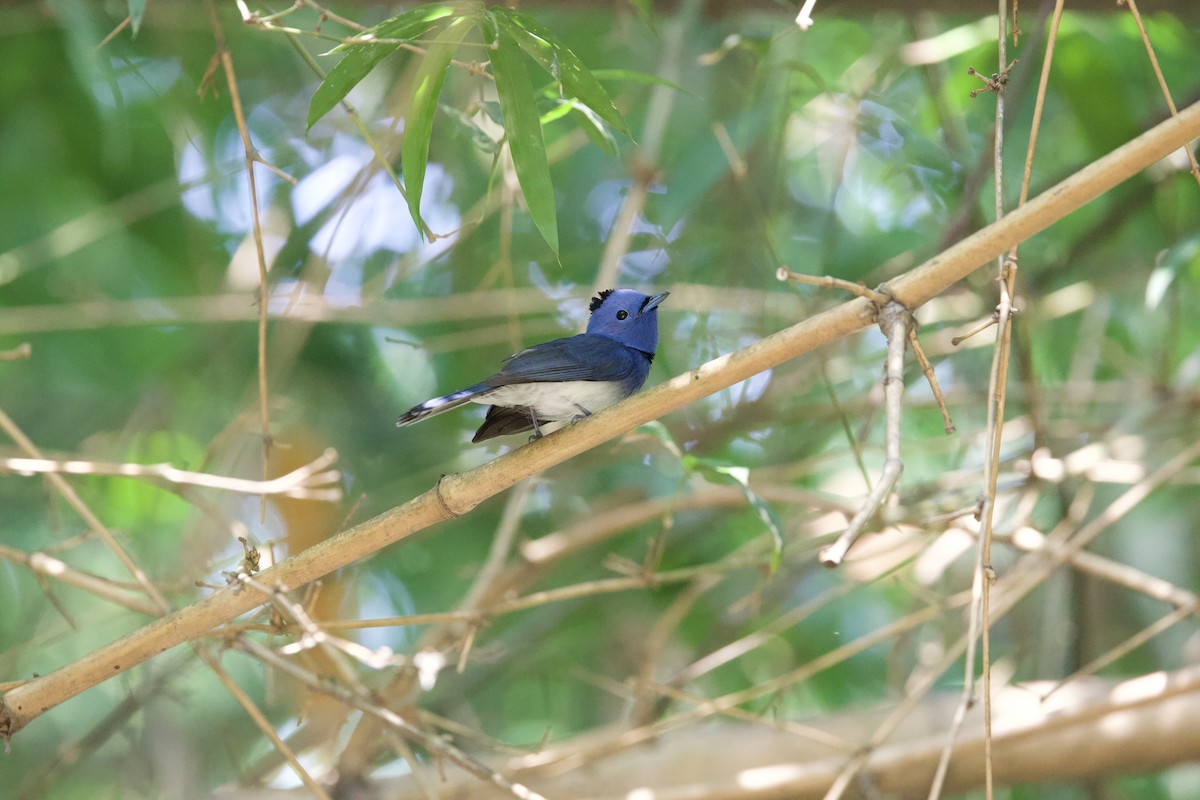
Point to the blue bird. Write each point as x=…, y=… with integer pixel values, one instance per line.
x=565, y=378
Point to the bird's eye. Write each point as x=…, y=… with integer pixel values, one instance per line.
x=622, y=314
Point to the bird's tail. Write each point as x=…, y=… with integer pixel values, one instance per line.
x=439, y=404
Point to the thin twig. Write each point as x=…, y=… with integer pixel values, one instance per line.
x=676, y=34
x=88, y=516
x=658, y=639
x=313, y=636
x=829, y=282
x=1162, y=81
x=310, y=482
x=1186, y=603
x=492, y=582
x=983, y=326
x=896, y=321
x=251, y=156
x=326, y=13
x=1127, y=646
x=42, y=564
x=1106, y=569
x=998, y=383
x=879, y=299
x=69, y=752
x=931, y=379
x=21, y=351
x=913, y=696
x=804, y=19
x=260, y=721
x=979, y=622
x=122, y=25
x=434, y=744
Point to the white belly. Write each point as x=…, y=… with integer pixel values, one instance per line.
x=555, y=400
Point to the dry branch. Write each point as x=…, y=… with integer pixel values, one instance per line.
x=1090, y=728
x=896, y=322
x=314, y=481
x=455, y=495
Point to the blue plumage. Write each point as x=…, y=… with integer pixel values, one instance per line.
x=564, y=378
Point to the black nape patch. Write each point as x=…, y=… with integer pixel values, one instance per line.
x=598, y=300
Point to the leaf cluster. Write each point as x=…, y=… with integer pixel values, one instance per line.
x=511, y=37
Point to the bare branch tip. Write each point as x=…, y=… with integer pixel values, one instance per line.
x=829, y=560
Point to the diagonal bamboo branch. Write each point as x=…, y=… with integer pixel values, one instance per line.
x=455, y=495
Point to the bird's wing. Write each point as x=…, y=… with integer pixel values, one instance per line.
x=586, y=357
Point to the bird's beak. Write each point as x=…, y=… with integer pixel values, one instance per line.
x=653, y=302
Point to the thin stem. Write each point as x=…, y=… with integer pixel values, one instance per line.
x=311, y=482
x=1162, y=81
x=251, y=156
x=896, y=321
x=435, y=744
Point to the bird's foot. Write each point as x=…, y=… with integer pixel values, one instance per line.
x=535, y=436
x=583, y=412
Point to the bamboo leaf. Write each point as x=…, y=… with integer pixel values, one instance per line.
x=361, y=58
x=418, y=122
x=468, y=128
x=645, y=13
x=587, y=119
x=633, y=76
x=518, y=105
x=730, y=474
x=137, y=10
x=560, y=61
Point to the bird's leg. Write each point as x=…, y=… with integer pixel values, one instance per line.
x=537, y=431
x=583, y=412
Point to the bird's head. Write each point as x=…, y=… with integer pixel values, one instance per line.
x=629, y=317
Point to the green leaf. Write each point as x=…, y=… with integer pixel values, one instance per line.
x=644, y=12
x=1183, y=257
x=418, y=122
x=410, y=24
x=730, y=474
x=492, y=111
x=657, y=430
x=467, y=127
x=586, y=119
x=524, y=129
x=561, y=62
x=137, y=10
x=633, y=76
x=139, y=505
x=360, y=59
x=596, y=130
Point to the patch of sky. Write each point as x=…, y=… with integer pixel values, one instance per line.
x=361, y=212
x=642, y=266
x=410, y=371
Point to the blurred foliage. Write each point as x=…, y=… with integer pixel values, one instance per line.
x=127, y=262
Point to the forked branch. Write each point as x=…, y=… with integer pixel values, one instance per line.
x=896, y=322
